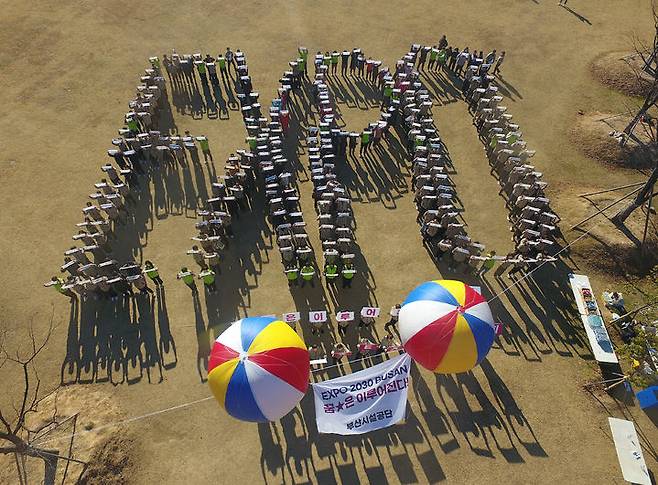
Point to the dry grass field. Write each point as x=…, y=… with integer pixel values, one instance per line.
x=68, y=70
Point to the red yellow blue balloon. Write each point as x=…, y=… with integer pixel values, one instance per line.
x=446, y=326
x=259, y=369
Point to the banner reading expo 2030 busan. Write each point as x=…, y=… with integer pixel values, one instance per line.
x=367, y=400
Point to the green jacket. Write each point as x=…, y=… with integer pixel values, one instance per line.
x=331, y=271
x=348, y=273
x=308, y=272
x=208, y=277
x=151, y=273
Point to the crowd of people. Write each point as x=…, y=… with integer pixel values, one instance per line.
x=326, y=144
x=262, y=162
x=192, y=74
x=533, y=224
x=182, y=68
x=89, y=270
x=405, y=103
x=339, y=350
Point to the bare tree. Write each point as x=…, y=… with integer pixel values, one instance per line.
x=642, y=196
x=647, y=73
x=14, y=431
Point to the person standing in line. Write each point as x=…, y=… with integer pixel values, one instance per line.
x=365, y=141
x=303, y=54
x=388, y=343
x=205, y=148
x=518, y=266
x=434, y=54
x=345, y=57
x=212, y=69
x=394, y=313
x=499, y=62
x=441, y=59
x=140, y=283
x=201, y=69
x=334, y=61
x=353, y=60
x=223, y=69
x=462, y=60
x=330, y=273
x=353, y=138
x=348, y=273
x=188, y=278
x=317, y=327
x=152, y=272
x=58, y=284
x=343, y=325
x=197, y=255
x=308, y=273
x=453, y=58
x=230, y=59
x=208, y=277
x=488, y=264
x=339, y=351
x=292, y=274
x=422, y=57
x=365, y=323
x=315, y=352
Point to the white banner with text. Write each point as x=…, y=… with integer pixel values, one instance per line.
x=366, y=400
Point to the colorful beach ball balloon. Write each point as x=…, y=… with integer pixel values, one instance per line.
x=446, y=326
x=259, y=369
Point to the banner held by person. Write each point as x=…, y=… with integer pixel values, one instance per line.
x=367, y=400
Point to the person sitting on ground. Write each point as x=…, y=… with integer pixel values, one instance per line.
x=617, y=303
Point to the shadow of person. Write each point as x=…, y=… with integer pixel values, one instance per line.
x=71, y=362
x=148, y=337
x=221, y=102
x=310, y=299
x=166, y=343
x=89, y=317
x=514, y=416
x=271, y=457
x=437, y=422
x=210, y=103
x=580, y=17
x=133, y=359
x=202, y=337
